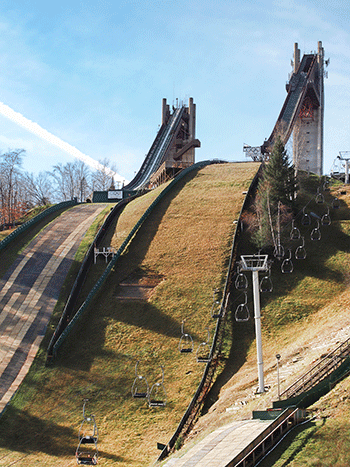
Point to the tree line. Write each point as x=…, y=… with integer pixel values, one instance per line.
x=21, y=191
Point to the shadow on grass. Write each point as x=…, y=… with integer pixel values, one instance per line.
x=27, y=434
x=105, y=306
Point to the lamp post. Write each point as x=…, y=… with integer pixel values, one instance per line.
x=256, y=263
x=278, y=356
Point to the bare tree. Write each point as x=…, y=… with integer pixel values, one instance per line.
x=72, y=180
x=102, y=179
x=38, y=188
x=12, y=190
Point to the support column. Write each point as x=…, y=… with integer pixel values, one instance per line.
x=257, y=317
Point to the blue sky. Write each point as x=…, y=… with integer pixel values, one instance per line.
x=94, y=73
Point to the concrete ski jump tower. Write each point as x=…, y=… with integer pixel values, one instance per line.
x=302, y=114
x=309, y=119
x=181, y=150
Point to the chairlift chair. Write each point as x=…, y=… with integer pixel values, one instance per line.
x=186, y=341
x=295, y=232
x=241, y=282
x=279, y=252
x=242, y=311
x=266, y=282
x=316, y=232
x=336, y=203
x=140, y=388
x=287, y=264
x=306, y=219
x=300, y=252
x=87, y=452
x=157, y=395
x=216, y=303
x=203, y=351
x=319, y=197
x=326, y=218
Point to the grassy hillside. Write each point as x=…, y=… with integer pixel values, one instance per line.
x=184, y=246
x=307, y=315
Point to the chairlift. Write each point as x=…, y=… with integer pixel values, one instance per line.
x=316, y=232
x=300, y=252
x=326, y=186
x=242, y=312
x=186, y=341
x=266, y=282
x=203, y=351
x=140, y=388
x=157, y=395
x=336, y=203
x=326, y=218
x=86, y=452
x=295, y=232
x=215, y=306
x=241, y=282
x=287, y=264
x=319, y=197
x=279, y=252
x=306, y=219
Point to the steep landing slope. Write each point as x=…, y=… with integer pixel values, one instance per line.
x=183, y=247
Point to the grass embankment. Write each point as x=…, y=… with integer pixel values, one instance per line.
x=185, y=243
x=305, y=316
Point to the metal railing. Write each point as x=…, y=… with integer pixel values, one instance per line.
x=261, y=445
x=318, y=372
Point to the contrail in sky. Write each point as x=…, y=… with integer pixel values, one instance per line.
x=45, y=135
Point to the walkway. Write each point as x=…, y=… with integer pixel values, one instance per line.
x=30, y=289
x=222, y=445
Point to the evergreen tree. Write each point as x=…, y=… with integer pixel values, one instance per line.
x=276, y=192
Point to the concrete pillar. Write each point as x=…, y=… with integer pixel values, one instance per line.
x=164, y=111
x=296, y=57
x=320, y=60
x=192, y=122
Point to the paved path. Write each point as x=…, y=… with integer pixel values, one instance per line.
x=222, y=445
x=29, y=291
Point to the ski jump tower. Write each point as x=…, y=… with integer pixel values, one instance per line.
x=302, y=114
x=309, y=121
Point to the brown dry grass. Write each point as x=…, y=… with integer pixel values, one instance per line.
x=187, y=242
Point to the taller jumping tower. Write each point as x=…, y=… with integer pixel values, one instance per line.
x=309, y=118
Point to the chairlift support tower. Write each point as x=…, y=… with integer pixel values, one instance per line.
x=345, y=156
x=256, y=263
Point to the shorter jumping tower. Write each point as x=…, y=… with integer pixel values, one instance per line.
x=308, y=74
x=180, y=153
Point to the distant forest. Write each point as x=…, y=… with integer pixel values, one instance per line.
x=20, y=191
